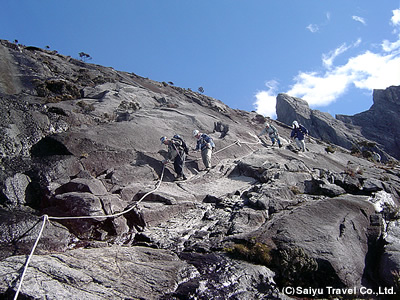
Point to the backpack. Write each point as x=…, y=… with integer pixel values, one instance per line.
x=208, y=139
x=305, y=130
x=184, y=146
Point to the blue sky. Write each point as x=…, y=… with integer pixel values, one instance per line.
x=331, y=53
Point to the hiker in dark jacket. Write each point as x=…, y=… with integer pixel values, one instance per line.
x=221, y=127
x=298, y=133
x=176, y=153
x=206, y=145
x=272, y=133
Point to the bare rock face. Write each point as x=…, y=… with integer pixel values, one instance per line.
x=359, y=133
x=390, y=260
x=380, y=123
x=112, y=272
x=15, y=189
x=20, y=229
x=81, y=140
x=333, y=232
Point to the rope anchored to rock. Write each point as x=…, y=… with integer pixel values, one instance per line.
x=237, y=142
x=47, y=218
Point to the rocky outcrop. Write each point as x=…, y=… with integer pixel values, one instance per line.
x=358, y=133
x=333, y=232
x=111, y=272
x=321, y=125
x=380, y=123
x=83, y=140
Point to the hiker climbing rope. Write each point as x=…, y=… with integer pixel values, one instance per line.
x=48, y=218
x=237, y=142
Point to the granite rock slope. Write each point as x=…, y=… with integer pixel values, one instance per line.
x=83, y=140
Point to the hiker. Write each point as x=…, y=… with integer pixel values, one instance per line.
x=298, y=133
x=221, y=127
x=206, y=145
x=177, y=154
x=272, y=133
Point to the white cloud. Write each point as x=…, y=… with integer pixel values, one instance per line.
x=359, y=19
x=328, y=15
x=327, y=59
x=396, y=17
x=389, y=47
x=365, y=71
x=319, y=90
x=313, y=28
x=374, y=71
x=266, y=100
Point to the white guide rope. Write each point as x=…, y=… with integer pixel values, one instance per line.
x=46, y=217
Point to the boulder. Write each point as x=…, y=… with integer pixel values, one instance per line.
x=230, y=279
x=331, y=190
x=15, y=189
x=111, y=272
x=20, y=229
x=246, y=220
x=77, y=204
x=332, y=231
x=84, y=185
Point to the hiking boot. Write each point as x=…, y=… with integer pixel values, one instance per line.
x=178, y=178
x=280, y=145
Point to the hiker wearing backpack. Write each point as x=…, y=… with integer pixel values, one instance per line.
x=206, y=145
x=272, y=133
x=298, y=134
x=177, y=151
x=221, y=127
